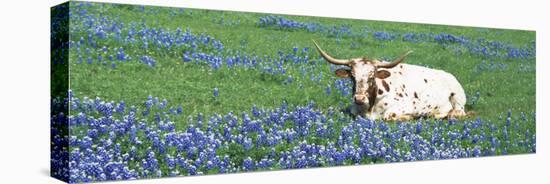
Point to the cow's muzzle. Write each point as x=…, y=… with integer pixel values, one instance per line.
x=360, y=99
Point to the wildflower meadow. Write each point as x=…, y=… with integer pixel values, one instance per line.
x=154, y=92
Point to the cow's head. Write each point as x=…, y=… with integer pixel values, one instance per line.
x=363, y=71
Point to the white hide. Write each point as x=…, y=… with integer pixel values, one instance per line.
x=432, y=87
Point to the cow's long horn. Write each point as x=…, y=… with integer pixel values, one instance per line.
x=330, y=58
x=395, y=62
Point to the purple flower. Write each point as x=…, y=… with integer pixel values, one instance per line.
x=216, y=92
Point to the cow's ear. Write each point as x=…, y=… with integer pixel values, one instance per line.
x=382, y=74
x=343, y=73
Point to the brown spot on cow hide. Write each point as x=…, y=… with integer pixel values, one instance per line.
x=426, y=80
x=415, y=95
x=393, y=115
x=380, y=91
x=403, y=85
x=386, y=86
x=372, y=96
x=385, y=103
x=400, y=73
x=400, y=95
x=343, y=73
x=406, y=94
x=414, y=102
x=382, y=74
x=400, y=66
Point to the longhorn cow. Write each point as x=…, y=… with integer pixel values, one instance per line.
x=396, y=91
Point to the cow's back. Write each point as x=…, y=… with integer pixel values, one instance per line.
x=418, y=91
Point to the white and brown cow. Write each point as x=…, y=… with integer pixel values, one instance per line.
x=395, y=91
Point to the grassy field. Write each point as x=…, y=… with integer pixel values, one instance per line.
x=240, y=88
x=161, y=60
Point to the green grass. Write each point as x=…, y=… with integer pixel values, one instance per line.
x=192, y=85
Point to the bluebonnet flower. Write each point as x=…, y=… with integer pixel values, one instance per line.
x=216, y=92
x=121, y=56
x=248, y=164
x=247, y=143
x=180, y=109
x=186, y=57
x=381, y=35
x=89, y=60
x=148, y=60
